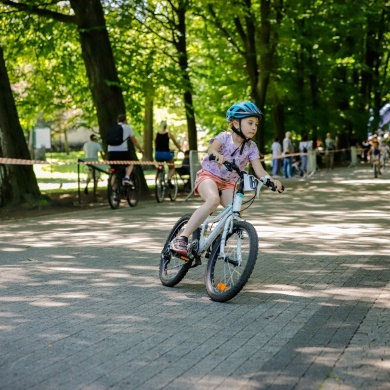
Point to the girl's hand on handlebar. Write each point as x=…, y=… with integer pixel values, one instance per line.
x=219, y=158
x=279, y=185
x=274, y=185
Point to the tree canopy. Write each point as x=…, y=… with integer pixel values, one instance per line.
x=311, y=66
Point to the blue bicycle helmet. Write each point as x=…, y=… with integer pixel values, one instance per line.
x=243, y=110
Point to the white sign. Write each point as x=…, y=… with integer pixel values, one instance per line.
x=42, y=138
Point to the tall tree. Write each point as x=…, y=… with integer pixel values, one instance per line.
x=97, y=55
x=17, y=182
x=252, y=28
x=168, y=21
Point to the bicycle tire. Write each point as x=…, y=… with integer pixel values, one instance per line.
x=174, y=189
x=172, y=269
x=375, y=170
x=224, y=279
x=160, y=187
x=133, y=192
x=113, y=196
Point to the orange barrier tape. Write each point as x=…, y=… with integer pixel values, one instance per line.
x=19, y=161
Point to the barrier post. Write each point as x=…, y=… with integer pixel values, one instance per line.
x=311, y=162
x=194, y=168
x=353, y=157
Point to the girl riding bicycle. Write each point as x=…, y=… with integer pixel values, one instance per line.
x=214, y=183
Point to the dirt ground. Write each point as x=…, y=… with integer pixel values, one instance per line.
x=67, y=202
x=59, y=203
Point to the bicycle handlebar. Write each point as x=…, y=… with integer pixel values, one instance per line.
x=232, y=166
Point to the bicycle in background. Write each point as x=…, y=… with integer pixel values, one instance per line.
x=228, y=242
x=116, y=190
x=162, y=186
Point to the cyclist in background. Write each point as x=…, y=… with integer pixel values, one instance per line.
x=162, y=151
x=214, y=183
x=374, y=154
x=121, y=152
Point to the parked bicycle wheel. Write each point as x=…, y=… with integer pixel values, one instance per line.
x=133, y=192
x=113, y=195
x=160, y=186
x=174, y=188
x=225, y=278
x=172, y=269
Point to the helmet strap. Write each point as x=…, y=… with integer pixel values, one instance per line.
x=241, y=134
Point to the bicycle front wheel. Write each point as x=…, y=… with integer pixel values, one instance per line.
x=160, y=187
x=133, y=192
x=174, y=188
x=113, y=194
x=172, y=269
x=375, y=170
x=226, y=277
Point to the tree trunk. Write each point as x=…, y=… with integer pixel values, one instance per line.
x=98, y=59
x=148, y=130
x=101, y=71
x=17, y=182
x=181, y=47
x=267, y=47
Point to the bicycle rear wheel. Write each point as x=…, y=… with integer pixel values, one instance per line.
x=113, y=194
x=225, y=278
x=133, y=192
x=173, y=190
x=172, y=269
x=160, y=187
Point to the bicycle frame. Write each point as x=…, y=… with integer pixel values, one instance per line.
x=225, y=219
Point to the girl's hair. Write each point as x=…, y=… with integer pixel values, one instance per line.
x=163, y=125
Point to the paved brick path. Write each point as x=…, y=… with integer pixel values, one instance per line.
x=81, y=305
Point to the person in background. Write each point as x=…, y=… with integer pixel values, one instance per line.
x=288, y=148
x=91, y=149
x=385, y=151
x=329, y=151
x=276, y=148
x=162, y=151
x=304, y=148
x=121, y=152
x=374, y=154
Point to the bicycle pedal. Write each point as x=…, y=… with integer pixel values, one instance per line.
x=181, y=257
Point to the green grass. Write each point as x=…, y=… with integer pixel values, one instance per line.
x=53, y=178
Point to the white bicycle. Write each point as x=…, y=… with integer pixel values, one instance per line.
x=228, y=242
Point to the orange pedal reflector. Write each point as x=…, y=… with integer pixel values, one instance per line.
x=221, y=286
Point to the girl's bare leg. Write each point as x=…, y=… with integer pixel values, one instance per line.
x=208, y=191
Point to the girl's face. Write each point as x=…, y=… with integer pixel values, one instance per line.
x=248, y=126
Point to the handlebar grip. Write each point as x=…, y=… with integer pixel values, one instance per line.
x=211, y=157
x=271, y=185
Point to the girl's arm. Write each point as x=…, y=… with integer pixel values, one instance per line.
x=174, y=141
x=261, y=172
x=258, y=168
x=214, y=149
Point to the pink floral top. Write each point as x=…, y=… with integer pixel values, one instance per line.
x=250, y=153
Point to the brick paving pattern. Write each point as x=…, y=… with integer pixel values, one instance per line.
x=81, y=305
